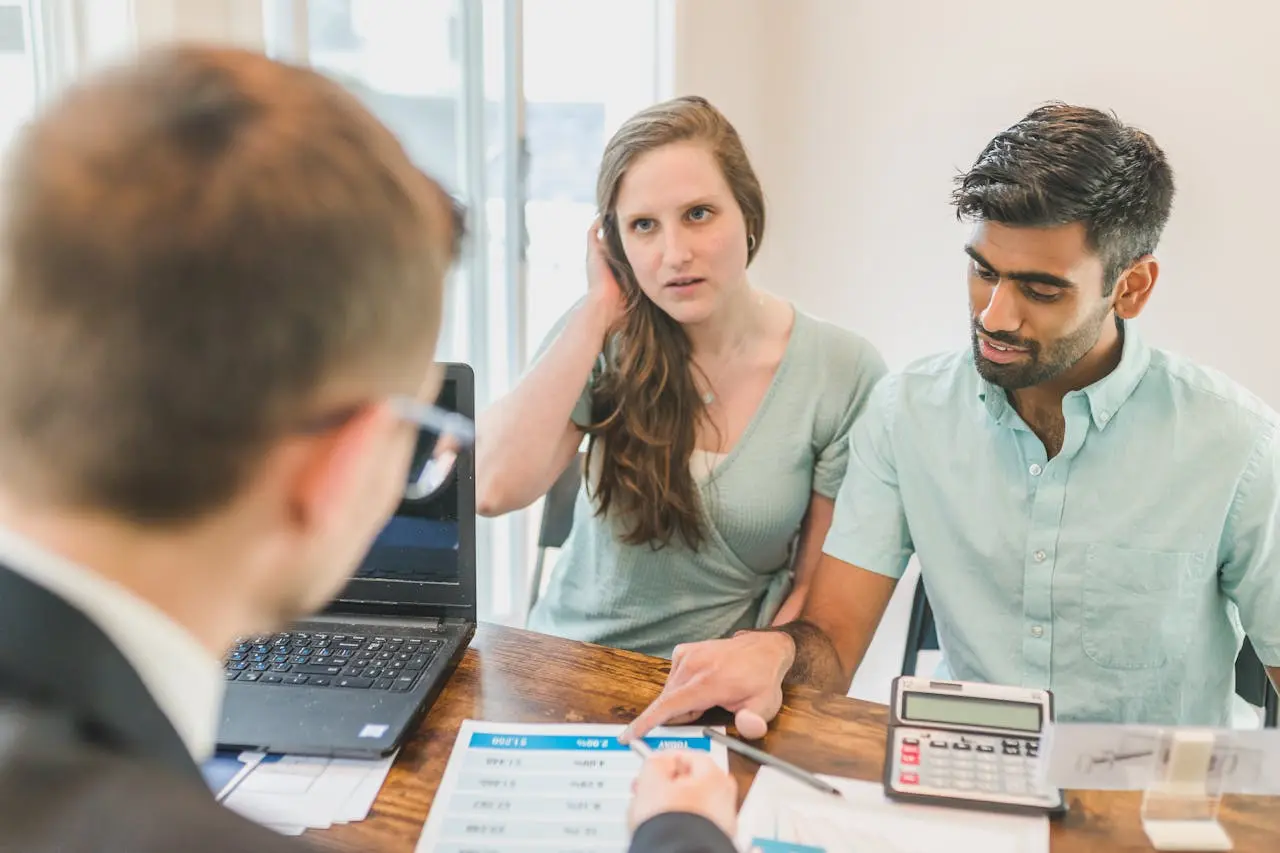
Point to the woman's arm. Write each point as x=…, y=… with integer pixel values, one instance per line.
x=525, y=439
x=813, y=532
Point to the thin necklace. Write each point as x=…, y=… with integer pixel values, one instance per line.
x=710, y=397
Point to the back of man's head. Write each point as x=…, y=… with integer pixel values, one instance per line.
x=197, y=251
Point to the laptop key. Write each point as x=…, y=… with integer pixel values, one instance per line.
x=231, y=674
x=353, y=672
x=249, y=676
x=418, y=662
x=281, y=667
x=354, y=682
x=383, y=683
x=271, y=678
x=404, y=682
x=316, y=669
x=319, y=681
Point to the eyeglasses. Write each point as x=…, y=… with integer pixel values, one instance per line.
x=442, y=435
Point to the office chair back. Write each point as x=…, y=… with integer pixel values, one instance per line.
x=557, y=519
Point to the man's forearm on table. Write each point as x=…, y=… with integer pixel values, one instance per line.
x=817, y=663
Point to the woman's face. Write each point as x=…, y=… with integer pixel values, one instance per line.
x=682, y=230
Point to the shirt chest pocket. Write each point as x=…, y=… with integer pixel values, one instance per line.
x=1135, y=605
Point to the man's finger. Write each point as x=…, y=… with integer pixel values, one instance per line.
x=683, y=719
x=682, y=700
x=750, y=725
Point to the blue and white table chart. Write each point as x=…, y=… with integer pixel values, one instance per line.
x=542, y=788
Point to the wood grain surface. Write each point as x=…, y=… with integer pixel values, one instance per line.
x=509, y=675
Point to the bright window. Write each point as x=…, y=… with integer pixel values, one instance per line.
x=18, y=93
x=468, y=86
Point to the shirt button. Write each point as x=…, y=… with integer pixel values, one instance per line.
x=1039, y=555
x=1035, y=470
x=1037, y=631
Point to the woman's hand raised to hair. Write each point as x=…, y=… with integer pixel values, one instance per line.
x=603, y=290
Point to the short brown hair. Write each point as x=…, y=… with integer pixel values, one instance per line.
x=647, y=405
x=195, y=248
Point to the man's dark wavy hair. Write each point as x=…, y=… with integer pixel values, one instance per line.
x=1063, y=164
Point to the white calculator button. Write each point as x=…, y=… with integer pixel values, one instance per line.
x=963, y=785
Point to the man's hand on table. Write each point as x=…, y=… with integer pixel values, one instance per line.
x=743, y=675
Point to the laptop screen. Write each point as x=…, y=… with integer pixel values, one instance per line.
x=422, y=540
x=424, y=560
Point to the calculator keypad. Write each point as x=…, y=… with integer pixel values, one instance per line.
x=949, y=763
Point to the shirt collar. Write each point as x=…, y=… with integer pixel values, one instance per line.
x=1104, y=397
x=185, y=681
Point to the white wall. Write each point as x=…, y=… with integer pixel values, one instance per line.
x=858, y=113
x=238, y=22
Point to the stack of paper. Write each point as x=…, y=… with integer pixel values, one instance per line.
x=782, y=814
x=294, y=793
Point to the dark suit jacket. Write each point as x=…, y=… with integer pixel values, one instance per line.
x=88, y=762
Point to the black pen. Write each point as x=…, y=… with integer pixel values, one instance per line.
x=761, y=757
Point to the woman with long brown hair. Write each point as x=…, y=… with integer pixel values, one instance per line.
x=716, y=414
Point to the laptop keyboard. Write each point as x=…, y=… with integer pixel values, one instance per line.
x=350, y=661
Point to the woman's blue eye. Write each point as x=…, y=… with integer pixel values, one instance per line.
x=700, y=214
x=642, y=225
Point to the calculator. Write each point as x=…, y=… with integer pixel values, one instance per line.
x=959, y=743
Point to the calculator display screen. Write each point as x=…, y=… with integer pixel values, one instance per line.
x=971, y=711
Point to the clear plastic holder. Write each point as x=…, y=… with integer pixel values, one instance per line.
x=1180, y=806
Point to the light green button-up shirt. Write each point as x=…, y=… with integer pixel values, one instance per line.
x=1118, y=574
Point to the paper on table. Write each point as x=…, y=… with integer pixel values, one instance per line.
x=557, y=786
x=780, y=808
x=362, y=798
x=293, y=792
x=1109, y=757
x=226, y=769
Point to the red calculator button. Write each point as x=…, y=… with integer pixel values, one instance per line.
x=910, y=759
x=909, y=779
x=910, y=750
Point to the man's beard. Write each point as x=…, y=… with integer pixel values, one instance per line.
x=1042, y=363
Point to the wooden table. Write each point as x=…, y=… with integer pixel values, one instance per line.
x=510, y=675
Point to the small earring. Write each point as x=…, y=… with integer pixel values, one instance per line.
x=751, y=242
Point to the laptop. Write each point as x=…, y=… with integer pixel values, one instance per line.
x=352, y=681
